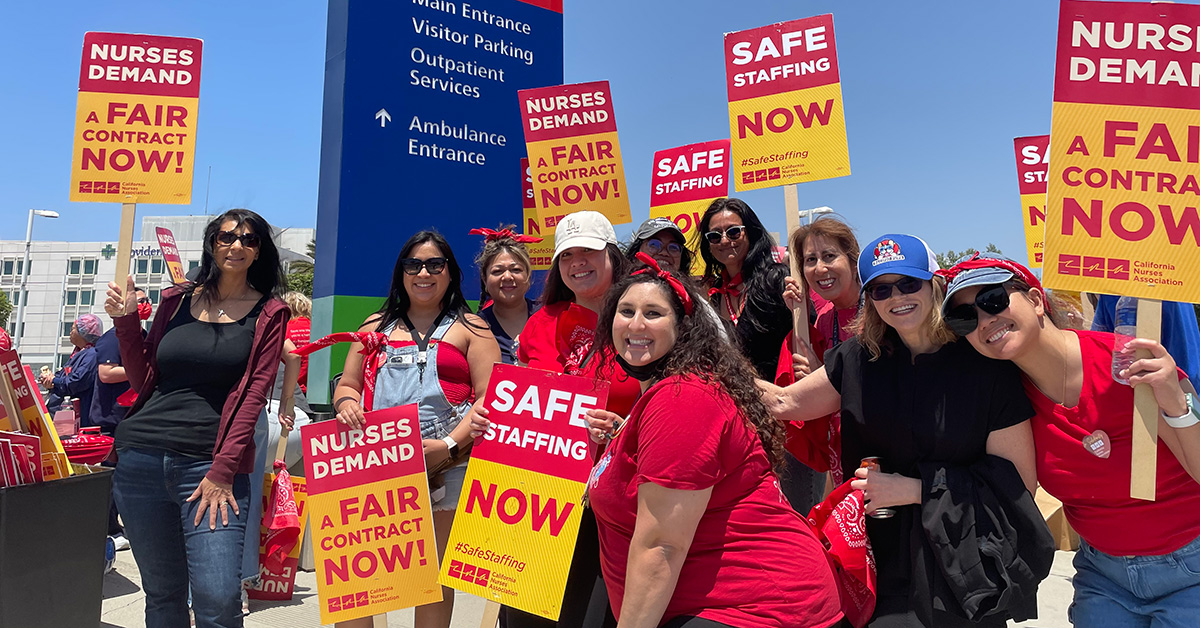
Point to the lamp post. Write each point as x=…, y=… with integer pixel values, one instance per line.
x=22, y=295
x=812, y=214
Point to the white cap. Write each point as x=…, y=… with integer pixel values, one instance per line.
x=588, y=229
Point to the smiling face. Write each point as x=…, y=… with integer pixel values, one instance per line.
x=588, y=273
x=729, y=252
x=1006, y=335
x=236, y=257
x=827, y=269
x=906, y=313
x=424, y=288
x=644, y=327
x=666, y=238
x=507, y=279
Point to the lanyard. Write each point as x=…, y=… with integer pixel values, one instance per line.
x=422, y=343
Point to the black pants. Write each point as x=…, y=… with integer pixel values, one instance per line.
x=585, y=600
x=803, y=487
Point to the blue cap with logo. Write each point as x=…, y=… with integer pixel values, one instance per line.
x=896, y=254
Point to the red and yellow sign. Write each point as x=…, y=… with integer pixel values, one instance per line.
x=135, y=119
x=1124, y=186
x=574, y=154
x=170, y=253
x=371, y=521
x=785, y=104
x=54, y=458
x=684, y=182
x=1032, y=157
x=541, y=254
x=280, y=585
x=518, y=517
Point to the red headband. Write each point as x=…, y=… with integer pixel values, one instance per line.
x=677, y=285
x=490, y=235
x=975, y=261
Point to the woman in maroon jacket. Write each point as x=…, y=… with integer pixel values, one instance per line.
x=187, y=445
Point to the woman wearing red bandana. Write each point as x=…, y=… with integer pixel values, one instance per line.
x=504, y=277
x=1139, y=561
x=694, y=531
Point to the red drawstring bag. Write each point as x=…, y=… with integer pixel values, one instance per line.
x=281, y=519
x=841, y=525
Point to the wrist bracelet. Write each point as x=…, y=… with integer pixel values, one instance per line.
x=1189, y=418
x=338, y=402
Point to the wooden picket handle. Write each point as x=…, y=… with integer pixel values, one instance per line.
x=791, y=205
x=125, y=244
x=1144, y=466
x=491, y=614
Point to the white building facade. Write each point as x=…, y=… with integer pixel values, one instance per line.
x=67, y=279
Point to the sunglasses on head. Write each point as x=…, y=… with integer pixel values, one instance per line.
x=413, y=266
x=655, y=246
x=733, y=233
x=249, y=240
x=881, y=291
x=963, y=319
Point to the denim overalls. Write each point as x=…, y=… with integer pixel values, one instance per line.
x=410, y=376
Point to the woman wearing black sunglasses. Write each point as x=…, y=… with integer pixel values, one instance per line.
x=187, y=445
x=1139, y=560
x=928, y=408
x=437, y=355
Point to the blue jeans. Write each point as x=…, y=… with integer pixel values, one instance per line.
x=1136, y=591
x=150, y=488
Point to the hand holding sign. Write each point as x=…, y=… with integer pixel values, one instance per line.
x=119, y=304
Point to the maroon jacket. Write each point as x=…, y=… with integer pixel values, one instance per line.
x=234, y=451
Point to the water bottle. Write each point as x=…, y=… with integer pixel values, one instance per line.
x=1124, y=330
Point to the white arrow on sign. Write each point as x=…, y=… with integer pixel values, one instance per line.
x=383, y=117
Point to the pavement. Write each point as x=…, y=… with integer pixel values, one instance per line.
x=124, y=602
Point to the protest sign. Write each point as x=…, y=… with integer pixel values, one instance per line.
x=279, y=584
x=541, y=254
x=370, y=515
x=518, y=517
x=31, y=418
x=135, y=119
x=1121, y=213
x=785, y=104
x=1032, y=159
x=574, y=154
x=685, y=180
x=170, y=253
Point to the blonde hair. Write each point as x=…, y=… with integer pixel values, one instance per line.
x=872, y=331
x=300, y=305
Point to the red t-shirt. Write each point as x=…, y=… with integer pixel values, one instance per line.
x=826, y=315
x=559, y=336
x=753, y=561
x=1095, y=491
x=298, y=331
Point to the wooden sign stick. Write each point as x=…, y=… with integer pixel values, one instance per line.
x=791, y=205
x=491, y=614
x=125, y=244
x=1143, y=471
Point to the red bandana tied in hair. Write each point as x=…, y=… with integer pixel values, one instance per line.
x=977, y=261
x=490, y=235
x=676, y=285
x=372, y=342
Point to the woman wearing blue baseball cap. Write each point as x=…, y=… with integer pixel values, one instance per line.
x=939, y=419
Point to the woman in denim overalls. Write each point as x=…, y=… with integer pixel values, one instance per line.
x=425, y=311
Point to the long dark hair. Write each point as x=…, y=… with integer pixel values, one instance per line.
x=699, y=351
x=685, y=256
x=762, y=277
x=395, y=308
x=556, y=289
x=265, y=273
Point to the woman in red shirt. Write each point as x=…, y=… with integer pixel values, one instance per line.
x=299, y=327
x=1139, y=561
x=694, y=530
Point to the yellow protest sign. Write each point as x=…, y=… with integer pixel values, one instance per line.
x=279, y=584
x=37, y=423
x=1032, y=158
x=684, y=182
x=541, y=254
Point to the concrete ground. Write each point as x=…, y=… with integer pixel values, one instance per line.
x=124, y=602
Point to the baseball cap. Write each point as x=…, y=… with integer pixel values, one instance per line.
x=654, y=225
x=89, y=327
x=588, y=229
x=985, y=270
x=896, y=254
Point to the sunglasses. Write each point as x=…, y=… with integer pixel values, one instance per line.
x=963, y=319
x=883, y=291
x=413, y=266
x=734, y=233
x=249, y=240
x=655, y=246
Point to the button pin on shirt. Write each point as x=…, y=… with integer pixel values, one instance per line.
x=1098, y=444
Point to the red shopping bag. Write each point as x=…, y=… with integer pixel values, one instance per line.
x=841, y=525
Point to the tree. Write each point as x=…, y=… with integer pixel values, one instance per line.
x=5, y=309
x=947, y=259
x=300, y=273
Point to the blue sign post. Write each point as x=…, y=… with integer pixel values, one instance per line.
x=421, y=130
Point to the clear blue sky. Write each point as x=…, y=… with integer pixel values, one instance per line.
x=934, y=94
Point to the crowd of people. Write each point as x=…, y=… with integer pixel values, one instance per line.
x=941, y=397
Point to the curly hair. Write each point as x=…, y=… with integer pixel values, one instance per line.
x=700, y=352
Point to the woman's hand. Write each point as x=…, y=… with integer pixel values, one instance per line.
x=1160, y=373
x=287, y=413
x=436, y=451
x=118, y=304
x=805, y=362
x=884, y=490
x=350, y=414
x=601, y=425
x=213, y=495
x=793, y=293
x=478, y=415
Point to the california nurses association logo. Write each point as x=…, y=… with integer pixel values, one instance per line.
x=887, y=251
